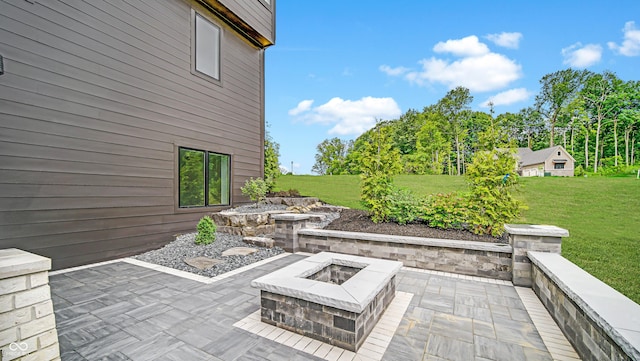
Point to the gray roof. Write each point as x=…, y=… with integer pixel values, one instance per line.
x=529, y=157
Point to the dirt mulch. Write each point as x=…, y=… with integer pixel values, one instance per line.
x=354, y=220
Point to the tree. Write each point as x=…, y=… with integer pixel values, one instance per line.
x=597, y=90
x=404, y=131
x=558, y=89
x=432, y=147
x=380, y=162
x=578, y=121
x=491, y=177
x=627, y=112
x=455, y=107
x=271, y=161
x=330, y=157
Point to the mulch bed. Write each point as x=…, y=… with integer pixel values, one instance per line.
x=354, y=220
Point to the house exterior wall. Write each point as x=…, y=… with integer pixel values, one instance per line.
x=533, y=170
x=259, y=14
x=568, y=166
x=540, y=167
x=95, y=100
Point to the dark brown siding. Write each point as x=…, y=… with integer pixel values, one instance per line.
x=96, y=97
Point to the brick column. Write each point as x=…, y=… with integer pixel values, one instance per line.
x=27, y=322
x=287, y=227
x=524, y=238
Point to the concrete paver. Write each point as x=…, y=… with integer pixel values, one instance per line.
x=122, y=311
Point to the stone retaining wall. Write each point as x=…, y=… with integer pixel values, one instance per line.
x=491, y=260
x=245, y=224
x=464, y=257
x=27, y=322
x=600, y=322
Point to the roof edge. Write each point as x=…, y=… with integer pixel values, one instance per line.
x=234, y=21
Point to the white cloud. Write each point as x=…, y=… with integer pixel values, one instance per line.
x=507, y=40
x=350, y=117
x=393, y=71
x=580, y=56
x=486, y=72
x=477, y=68
x=508, y=97
x=631, y=43
x=469, y=46
x=302, y=107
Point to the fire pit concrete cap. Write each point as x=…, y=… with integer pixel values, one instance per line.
x=353, y=295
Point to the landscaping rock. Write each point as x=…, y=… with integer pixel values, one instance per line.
x=259, y=241
x=202, y=263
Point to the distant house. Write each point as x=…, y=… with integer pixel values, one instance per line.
x=124, y=122
x=554, y=161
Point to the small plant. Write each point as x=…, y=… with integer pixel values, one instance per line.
x=206, y=231
x=255, y=189
x=403, y=206
x=446, y=211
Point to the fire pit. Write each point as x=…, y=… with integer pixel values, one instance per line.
x=334, y=298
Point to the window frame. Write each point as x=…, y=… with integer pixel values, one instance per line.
x=206, y=179
x=558, y=165
x=194, y=15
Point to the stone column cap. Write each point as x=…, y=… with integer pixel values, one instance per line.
x=541, y=230
x=16, y=262
x=291, y=217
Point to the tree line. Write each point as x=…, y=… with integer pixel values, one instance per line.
x=595, y=116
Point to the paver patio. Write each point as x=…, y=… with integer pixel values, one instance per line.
x=123, y=311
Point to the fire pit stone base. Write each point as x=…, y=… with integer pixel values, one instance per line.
x=341, y=307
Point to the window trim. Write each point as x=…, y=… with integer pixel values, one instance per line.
x=178, y=207
x=194, y=14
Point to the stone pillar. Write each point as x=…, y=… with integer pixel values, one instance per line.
x=287, y=227
x=27, y=322
x=524, y=238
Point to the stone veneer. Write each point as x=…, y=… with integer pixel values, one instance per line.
x=525, y=238
x=600, y=322
x=343, y=314
x=465, y=257
x=27, y=322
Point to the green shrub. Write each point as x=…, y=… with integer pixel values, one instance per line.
x=445, y=211
x=578, y=171
x=374, y=191
x=206, y=231
x=379, y=162
x=255, y=189
x=491, y=179
x=404, y=206
x=608, y=166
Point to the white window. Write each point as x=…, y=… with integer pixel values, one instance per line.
x=207, y=47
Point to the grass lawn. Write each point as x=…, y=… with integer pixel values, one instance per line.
x=602, y=215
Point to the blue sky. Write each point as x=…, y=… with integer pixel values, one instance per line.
x=340, y=64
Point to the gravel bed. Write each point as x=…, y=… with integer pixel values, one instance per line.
x=173, y=254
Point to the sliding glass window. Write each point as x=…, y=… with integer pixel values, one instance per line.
x=204, y=178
